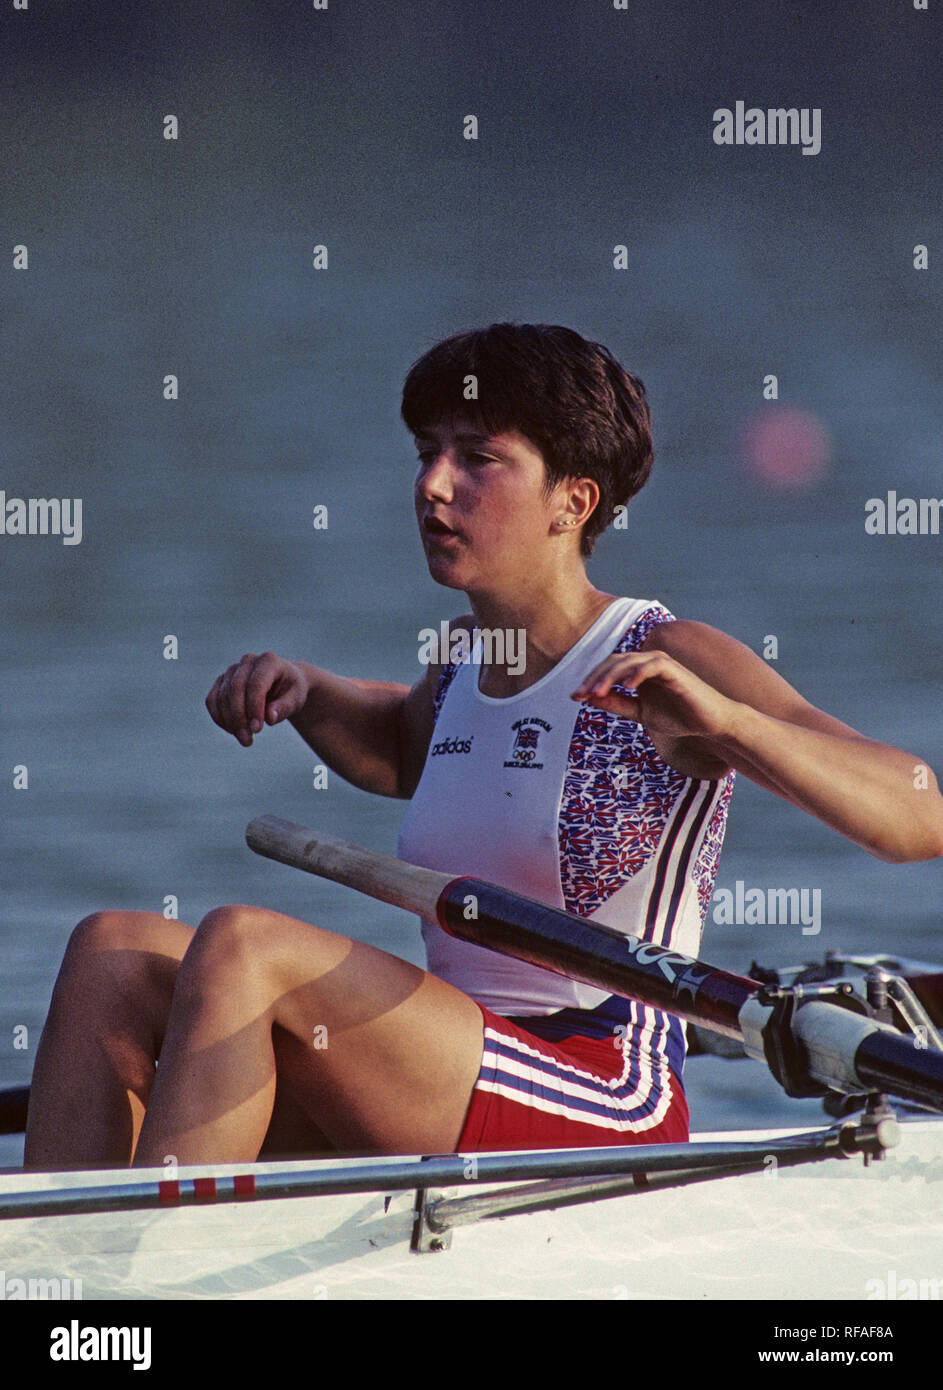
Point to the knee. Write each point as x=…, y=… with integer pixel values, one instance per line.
x=250, y=944
x=226, y=938
x=234, y=924
x=120, y=938
x=111, y=931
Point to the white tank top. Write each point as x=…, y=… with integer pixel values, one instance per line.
x=573, y=806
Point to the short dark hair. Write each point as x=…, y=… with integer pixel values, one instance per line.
x=586, y=414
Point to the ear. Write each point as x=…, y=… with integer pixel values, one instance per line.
x=583, y=494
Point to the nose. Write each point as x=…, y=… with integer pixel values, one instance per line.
x=434, y=478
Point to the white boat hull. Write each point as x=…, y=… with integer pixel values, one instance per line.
x=829, y=1230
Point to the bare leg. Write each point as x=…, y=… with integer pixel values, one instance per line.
x=381, y=1055
x=95, y=1063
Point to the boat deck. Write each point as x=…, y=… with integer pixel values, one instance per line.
x=830, y=1230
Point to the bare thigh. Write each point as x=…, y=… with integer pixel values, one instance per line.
x=377, y=1053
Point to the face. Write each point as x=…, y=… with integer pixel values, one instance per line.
x=484, y=516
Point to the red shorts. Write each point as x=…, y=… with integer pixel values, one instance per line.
x=577, y=1092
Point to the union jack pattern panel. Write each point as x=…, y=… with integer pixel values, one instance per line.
x=618, y=796
x=708, y=856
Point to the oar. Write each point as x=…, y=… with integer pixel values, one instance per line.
x=838, y=1048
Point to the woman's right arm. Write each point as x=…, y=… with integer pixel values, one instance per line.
x=374, y=734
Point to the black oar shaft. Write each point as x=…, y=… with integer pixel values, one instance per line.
x=894, y=1063
x=594, y=954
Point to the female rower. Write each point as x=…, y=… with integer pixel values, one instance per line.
x=595, y=776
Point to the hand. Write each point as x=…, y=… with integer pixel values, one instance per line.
x=670, y=700
x=258, y=690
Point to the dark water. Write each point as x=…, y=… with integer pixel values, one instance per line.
x=149, y=257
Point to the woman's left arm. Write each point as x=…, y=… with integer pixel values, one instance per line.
x=710, y=705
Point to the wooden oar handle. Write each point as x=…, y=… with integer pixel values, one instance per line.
x=379, y=875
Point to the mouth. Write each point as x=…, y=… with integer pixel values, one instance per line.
x=435, y=530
